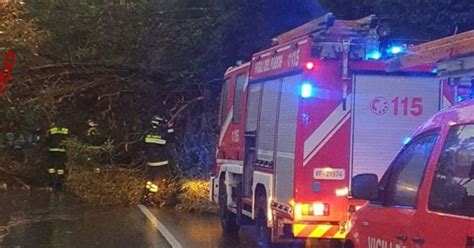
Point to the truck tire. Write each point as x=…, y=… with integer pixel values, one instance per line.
x=227, y=218
x=263, y=232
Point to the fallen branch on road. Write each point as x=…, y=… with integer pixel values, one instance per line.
x=7, y=175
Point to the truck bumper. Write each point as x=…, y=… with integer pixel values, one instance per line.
x=326, y=231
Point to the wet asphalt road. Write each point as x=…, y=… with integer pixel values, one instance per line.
x=203, y=231
x=43, y=219
x=48, y=219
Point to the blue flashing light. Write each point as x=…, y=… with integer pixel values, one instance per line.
x=395, y=50
x=307, y=90
x=406, y=140
x=434, y=70
x=374, y=55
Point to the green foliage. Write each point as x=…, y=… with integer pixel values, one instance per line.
x=112, y=186
x=348, y=9
x=82, y=156
x=19, y=34
x=418, y=20
x=25, y=164
x=194, y=197
x=168, y=193
x=90, y=31
x=130, y=61
x=427, y=19
x=195, y=42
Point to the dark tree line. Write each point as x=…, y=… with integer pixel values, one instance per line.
x=121, y=62
x=419, y=20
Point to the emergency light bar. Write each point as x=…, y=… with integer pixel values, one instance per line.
x=394, y=50
x=307, y=90
x=374, y=55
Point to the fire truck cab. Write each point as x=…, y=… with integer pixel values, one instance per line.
x=303, y=117
x=426, y=197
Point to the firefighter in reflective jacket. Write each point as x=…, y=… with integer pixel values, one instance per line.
x=156, y=153
x=57, y=155
x=94, y=140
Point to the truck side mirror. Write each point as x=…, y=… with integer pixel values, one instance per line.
x=364, y=186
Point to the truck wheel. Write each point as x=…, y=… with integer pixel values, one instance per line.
x=227, y=218
x=263, y=232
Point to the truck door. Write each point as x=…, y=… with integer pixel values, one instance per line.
x=386, y=109
x=386, y=221
x=286, y=138
x=450, y=202
x=470, y=234
x=253, y=106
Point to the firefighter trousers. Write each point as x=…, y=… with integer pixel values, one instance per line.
x=155, y=171
x=56, y=169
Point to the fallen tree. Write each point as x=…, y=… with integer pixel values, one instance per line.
x=55, y=79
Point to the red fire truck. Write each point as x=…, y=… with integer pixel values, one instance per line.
x=303, y=117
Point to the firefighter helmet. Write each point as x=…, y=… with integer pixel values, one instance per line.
x=92, y=123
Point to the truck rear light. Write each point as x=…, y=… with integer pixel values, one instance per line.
x=342, y=192
x=309, y=65
x=310, y=209
x=320, y=209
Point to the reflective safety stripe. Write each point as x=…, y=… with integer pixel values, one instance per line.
x=155, y=140
x=60, y=172
x=56, y=130
x=151, y=187
x=57, y=150
x=319, y=231
x=157, y=163
x=171, y=130
x=51, y=170
x=153, y=136
x=156, y=118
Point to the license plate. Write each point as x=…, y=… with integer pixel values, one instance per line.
x=329, y=174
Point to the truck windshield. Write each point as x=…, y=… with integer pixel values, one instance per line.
x=399, y=186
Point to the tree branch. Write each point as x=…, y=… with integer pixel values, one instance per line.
x=182, y=108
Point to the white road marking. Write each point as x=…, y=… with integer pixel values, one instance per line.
x=160, y=227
